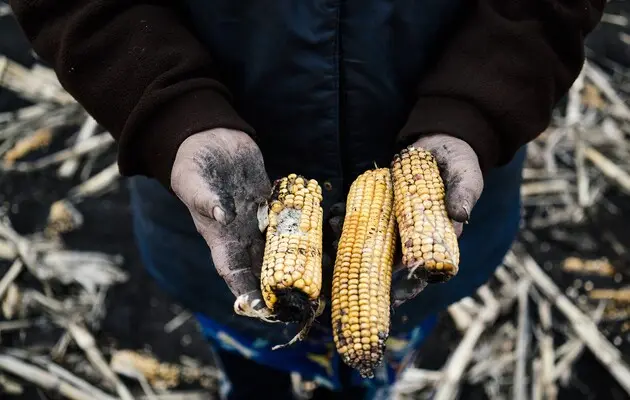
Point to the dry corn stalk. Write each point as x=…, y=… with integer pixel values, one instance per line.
x=291, y=274
x=158, y=374
x=616, y=295
x=616, y=312
x=592, y=97
x=362, y=272
x=37, y=140
x=97, y=184
x=583, y=325
x=63, y=217
x=599, y=266
x=41, y=378
x=429, y=244
x=31, y=84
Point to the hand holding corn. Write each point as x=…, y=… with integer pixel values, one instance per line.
x=220, y=176
x=436, y=179
x=418, y=205
x=408, y=201
x=437, y=182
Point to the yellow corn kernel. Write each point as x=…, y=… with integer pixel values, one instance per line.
x=291, y=274
x=362, y=272
x=427, y=235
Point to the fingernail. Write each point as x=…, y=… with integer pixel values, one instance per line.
x=467, y=210
x=258, y=304
x=219, y=215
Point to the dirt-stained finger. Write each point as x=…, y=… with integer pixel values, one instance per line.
x=233, y=263
x=460, y=170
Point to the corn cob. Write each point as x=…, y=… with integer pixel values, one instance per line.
x=428, y=238
x=291, y=273
x=362, y=272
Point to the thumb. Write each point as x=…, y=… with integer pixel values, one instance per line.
x=460, y=170
x=202, y=196
x=464, y=184
x=234, y=260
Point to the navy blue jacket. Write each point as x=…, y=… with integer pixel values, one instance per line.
x=327, y=87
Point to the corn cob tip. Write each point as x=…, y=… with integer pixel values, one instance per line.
x=306, y=324
x=428, y=238
x=292, y=305
x=362, y=360
x=367, y=371
x=418, y=272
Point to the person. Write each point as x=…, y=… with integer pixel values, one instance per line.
x=211, y=101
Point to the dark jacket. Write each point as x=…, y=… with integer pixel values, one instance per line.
x=328, y=87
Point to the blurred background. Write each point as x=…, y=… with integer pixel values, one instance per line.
x=80, y=319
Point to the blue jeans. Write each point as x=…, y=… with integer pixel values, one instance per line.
x=178, y=258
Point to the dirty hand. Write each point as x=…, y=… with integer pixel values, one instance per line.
x=463, y=180
x=220, y=176
x=461, y=173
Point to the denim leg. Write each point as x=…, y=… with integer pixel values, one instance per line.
x=173, y=253
x=245, y=379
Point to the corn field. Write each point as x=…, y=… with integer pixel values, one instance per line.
x=81, y=319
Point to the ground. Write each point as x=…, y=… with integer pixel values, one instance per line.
x=138, y=309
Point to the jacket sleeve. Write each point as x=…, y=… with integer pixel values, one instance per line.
x=137, y=69
x=496, y=82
